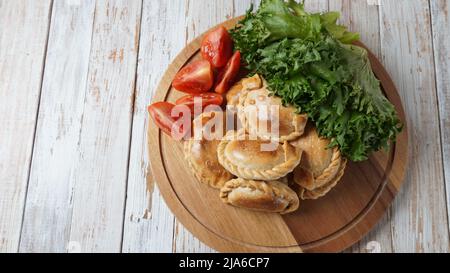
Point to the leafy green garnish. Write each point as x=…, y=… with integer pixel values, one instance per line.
x=308, y=61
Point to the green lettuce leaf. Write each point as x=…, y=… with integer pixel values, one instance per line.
x=309, y=62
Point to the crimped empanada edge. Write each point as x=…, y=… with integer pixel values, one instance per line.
x=250, y=174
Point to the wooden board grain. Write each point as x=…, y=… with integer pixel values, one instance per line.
x=331, y=224
x=23, y=43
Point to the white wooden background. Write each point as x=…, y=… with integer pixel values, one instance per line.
x=76, y=77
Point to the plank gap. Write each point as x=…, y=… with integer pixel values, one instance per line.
x=86, y=89
x=132, y=110
x=44, y=62
x=441, y=133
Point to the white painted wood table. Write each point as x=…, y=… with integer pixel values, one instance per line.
x=76, y=77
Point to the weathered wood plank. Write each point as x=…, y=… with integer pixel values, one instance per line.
x=149, y=224
x=240, y=7
x=363, y=17
x=441, y=25
x=185, y=242
x=23, y=42
x=419, y=217
x=49, y=201
x=84, y=131
x=317, y=5
x=99, y=197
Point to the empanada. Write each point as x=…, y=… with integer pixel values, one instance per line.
x=319, y=164
x=323, y=190
x=257, y=159
x=259, y=117
x=241, y=87
x=252, y=83
x=202, y=157
x=234, y=93
x=270, y=196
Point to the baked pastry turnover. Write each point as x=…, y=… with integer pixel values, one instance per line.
x=242, y=87
x=266, y=117
x=320, y=167
x=275, y=160
x=256, y=159
x=323, y=190
x=269, y=196
x=234, y=93
x=202, y=156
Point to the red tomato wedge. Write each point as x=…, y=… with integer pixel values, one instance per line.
x=206, y=99
x=217, y=47
x=228, y=75
x=197, y=77
x=161, y=113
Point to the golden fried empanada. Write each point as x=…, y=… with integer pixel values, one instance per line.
x=284, y=180
x=201, y=154
x=242, y=87
x=270, y=196
x=257, y=159
x=319, y=164
x=260, y=118
x=323, y=190
x=252, y=83
x=234, y=93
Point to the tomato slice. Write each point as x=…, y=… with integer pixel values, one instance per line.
x=206, y=99
x=161, y=113
x=217, y=47
x=197, y=77
x=228, y=75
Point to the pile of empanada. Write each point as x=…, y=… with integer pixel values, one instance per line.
x=264, y=170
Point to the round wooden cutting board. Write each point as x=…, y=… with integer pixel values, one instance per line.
x=329, y=224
